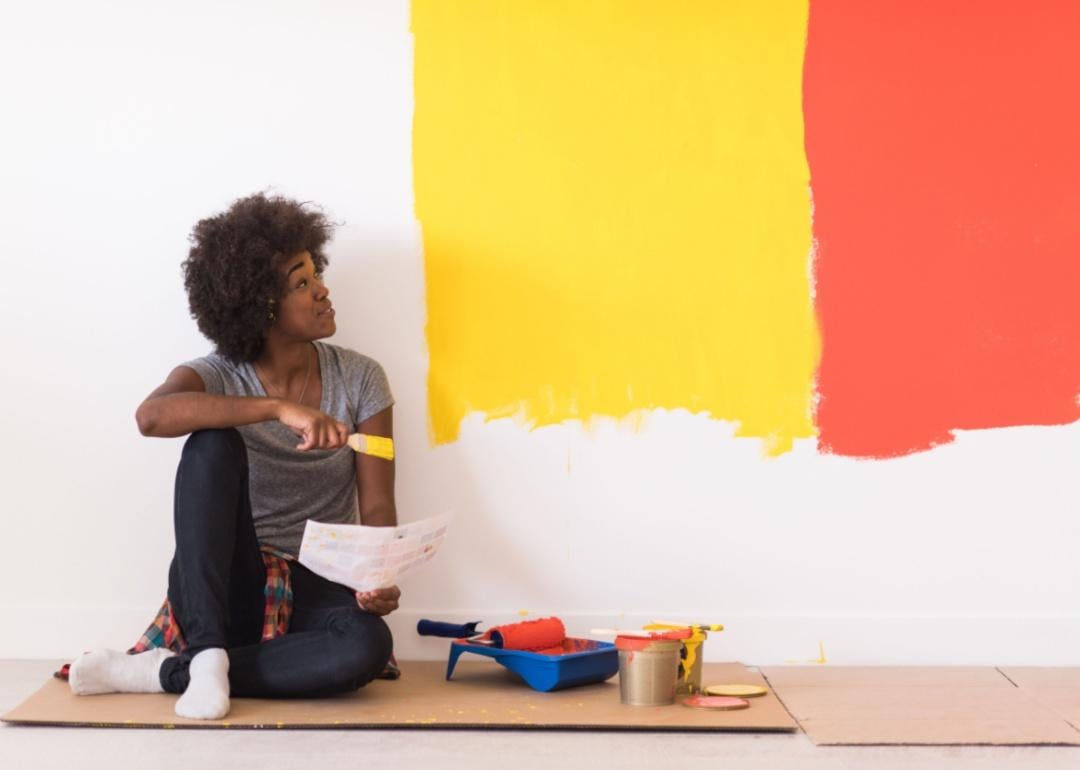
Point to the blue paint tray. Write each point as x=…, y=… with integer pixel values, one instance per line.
x=585, y=661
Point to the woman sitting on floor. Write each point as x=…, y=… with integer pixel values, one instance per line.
x=269, y=414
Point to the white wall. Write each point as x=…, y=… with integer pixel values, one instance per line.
x=124, y=124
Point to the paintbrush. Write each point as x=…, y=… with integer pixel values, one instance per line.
x=660, y=624
x=642, y=633
x=376, y=446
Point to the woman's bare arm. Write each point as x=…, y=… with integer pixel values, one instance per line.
x=375, y=476
x=375, y=481
x=181, y=405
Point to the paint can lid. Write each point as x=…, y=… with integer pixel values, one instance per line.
x=715, y=702
x=736, y=690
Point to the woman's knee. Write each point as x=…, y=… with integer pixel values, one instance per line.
x=364, y=646
x=216, y=446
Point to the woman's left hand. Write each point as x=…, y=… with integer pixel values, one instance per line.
x=381, y=601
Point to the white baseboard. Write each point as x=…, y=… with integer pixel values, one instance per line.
x=61, y=632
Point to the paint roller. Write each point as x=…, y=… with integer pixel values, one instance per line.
x=529, y=635
x=540, y=635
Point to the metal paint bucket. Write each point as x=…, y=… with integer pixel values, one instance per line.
x=648, y=669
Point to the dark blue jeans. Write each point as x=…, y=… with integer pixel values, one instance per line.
x=216, y=585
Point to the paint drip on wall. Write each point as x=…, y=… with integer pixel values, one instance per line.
x=615, y=212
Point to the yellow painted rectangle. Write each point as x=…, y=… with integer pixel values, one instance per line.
x=615, y=207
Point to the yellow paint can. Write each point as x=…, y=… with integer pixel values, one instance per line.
x=692, y=655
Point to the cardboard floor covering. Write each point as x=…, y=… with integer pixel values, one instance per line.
x=1056, y=688
x=482, y=694
x=861, y=705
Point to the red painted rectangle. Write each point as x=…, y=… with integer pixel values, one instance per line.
x=944, y=149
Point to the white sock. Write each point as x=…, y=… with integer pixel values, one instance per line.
x=207, y=694
x=103, y=671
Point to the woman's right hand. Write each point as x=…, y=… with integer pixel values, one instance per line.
x=316, y=430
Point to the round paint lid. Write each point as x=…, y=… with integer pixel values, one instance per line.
x=737, y=690
x=715, y=702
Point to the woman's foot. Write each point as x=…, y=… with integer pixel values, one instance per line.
x=103, y=671
x=207, y=694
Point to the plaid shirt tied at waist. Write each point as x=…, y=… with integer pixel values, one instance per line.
x=165, y=631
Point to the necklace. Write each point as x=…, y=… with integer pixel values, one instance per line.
x=266, y=382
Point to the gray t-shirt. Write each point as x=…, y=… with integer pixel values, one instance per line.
x=288, y=486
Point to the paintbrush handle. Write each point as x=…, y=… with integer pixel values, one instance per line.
x=675, y=634
x=700, y=626
x=425, y=627
x=621, y=632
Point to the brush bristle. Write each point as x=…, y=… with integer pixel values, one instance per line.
x=376, y=446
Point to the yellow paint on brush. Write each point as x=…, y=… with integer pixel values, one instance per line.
x=615, y=208
x=377, y=446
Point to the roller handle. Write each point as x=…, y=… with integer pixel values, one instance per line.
x=448, y=630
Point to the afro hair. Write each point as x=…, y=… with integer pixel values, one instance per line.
x=231, y=273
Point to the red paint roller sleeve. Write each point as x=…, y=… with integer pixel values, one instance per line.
x=529, y=635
